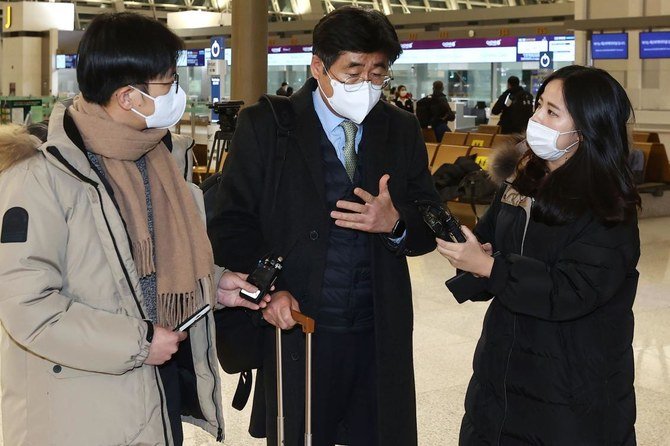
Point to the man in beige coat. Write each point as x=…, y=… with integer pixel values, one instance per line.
x=103, y=251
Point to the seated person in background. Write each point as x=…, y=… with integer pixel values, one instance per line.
x=479, y=111
x=103, y=251
x=554, y=364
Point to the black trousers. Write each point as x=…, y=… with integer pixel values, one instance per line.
x=344, y=394
x=169, y=373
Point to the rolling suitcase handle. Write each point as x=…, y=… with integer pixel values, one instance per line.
x=308, y=325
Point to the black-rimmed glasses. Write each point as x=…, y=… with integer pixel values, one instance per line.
x=175, y=82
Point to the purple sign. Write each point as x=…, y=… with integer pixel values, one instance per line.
x=416, y=45
x=290, y=49
x=459, y=43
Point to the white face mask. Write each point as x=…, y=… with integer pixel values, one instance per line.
x=353, y=105
x=168, y=109
x=542, y=141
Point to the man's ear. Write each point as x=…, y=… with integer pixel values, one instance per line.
x=316, y=67
x=124, y=97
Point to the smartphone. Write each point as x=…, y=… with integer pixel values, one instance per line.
x=186, y=324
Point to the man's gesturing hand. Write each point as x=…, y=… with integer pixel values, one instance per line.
x=377, y=215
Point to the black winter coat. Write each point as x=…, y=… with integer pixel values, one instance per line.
x=440, y=110
x=554, y=364
x=407, y=106
x=514, y=119
x=249, y=221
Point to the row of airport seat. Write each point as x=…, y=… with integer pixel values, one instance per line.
x=656, y=170
x=656, y=166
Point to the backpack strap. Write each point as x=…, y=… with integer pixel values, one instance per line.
x=284, y=117
x=282, y=112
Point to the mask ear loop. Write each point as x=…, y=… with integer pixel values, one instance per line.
x=325, y=71
x=321, y=89
x=580, y=139
x=144, y=94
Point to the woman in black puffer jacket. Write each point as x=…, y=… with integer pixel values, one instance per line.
x=554, y=364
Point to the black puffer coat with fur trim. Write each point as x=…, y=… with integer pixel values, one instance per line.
x=554, y=364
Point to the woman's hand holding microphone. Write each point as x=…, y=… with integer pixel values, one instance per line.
x=470, y=256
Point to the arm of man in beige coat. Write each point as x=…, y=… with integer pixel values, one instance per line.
x=33, y=310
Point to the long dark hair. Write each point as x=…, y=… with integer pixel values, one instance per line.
x=397, y=91
x=597, y=178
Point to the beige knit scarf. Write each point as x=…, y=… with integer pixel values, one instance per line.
x=182, y=255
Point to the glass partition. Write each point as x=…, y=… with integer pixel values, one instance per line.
x=472, y=70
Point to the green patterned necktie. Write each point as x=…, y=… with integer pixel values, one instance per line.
x=350, y=130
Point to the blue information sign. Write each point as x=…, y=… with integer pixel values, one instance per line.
x=655, y=45
x=546, y=60
x=217, y=47
x=215, y=90
x=609, y=46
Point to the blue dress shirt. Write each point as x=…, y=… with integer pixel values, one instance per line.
x=335, y=134
x=331, y=125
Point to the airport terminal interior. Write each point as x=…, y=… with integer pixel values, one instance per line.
x=240, y=49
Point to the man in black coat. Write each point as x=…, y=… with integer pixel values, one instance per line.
x=440, y=111
x=516, y=106
x=339, y=205
x=283, y=90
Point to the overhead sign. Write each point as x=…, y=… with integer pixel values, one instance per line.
x=66, y=61
x=655, y=45
x=546, y=60
x=195, y=58
x=217, y=48
x=501, y=49
x=529, y=48
x=609, y=46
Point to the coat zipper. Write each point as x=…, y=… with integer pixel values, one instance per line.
x=511, y=348
x=56, y=154
x=219, y=431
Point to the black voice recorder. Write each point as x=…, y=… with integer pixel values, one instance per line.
x=464, y=286
x=263, y=278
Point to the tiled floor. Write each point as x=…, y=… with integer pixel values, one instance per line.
x=446, y=334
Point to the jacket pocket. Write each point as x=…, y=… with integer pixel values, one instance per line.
x=91, y=409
